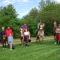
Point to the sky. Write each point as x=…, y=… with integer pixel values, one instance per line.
x=22, y=7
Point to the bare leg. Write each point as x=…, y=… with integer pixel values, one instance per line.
x=10, y=46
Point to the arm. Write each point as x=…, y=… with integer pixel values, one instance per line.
x=38, y=25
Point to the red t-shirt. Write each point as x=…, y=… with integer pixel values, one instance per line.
x=9, y=32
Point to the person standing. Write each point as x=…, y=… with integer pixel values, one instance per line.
x=21, y=35
x=9, y=34
x=54, y=29
x=58, y=34
x=40, y=32
x=23, y=28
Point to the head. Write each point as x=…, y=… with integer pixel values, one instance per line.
x=3, y=28
x=25, y=30
x=8, y=27
x=25, y=24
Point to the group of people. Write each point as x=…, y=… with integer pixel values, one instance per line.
x=6, y=36
x=56, y=31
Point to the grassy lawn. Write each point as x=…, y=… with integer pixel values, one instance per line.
x=45, y=50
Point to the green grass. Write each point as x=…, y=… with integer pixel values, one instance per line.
x=45, y=50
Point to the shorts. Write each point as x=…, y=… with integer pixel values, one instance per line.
x=10, y=39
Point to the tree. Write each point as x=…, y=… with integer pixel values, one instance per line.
x=49, y=14
x=42, y=4
x=32, y=19
x=8, y=17
x=48, y=1
x=6, y=14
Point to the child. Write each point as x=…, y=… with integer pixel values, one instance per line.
x=58, y=34
x=26, y=37
x=9, y=34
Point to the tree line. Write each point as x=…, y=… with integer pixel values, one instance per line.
x=46, y=12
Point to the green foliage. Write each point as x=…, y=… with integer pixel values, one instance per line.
x=31, y=20
x=8, y=17
x=6, y=14
x=42, y=4
x=49, y=14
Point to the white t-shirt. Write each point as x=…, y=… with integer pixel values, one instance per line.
x=58, y=30
x=26, y=33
